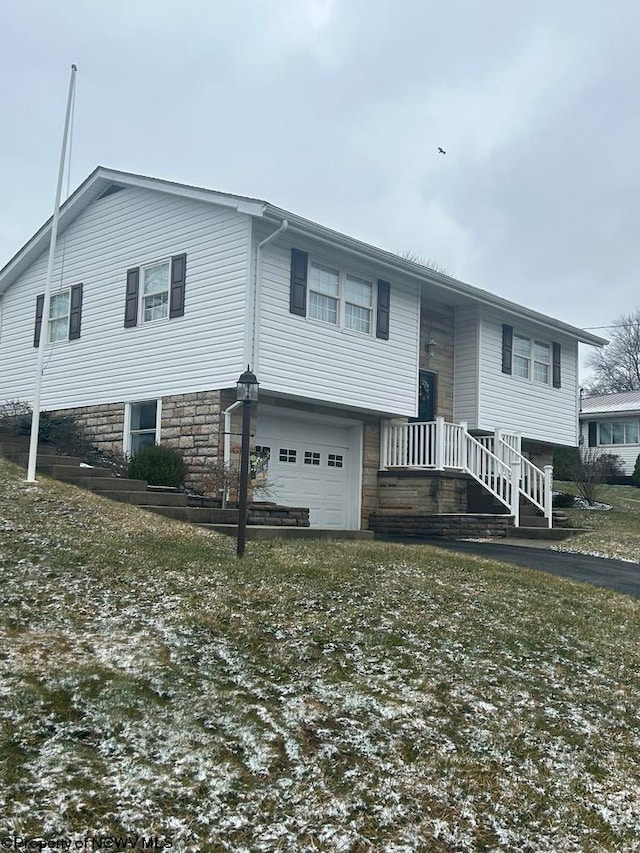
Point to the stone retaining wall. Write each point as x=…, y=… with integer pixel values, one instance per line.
x=276, y=515
x=439, y=526
x=422, y=491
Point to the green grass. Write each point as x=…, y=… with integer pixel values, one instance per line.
x=314, y=696
x=612, y=533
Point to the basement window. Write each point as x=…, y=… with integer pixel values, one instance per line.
x=142, y=425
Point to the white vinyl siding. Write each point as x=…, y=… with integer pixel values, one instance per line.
x=627, y=427
x=321, y=361
x=135, y=228
x=487, y=398
x=466, y=366
x=535, y=409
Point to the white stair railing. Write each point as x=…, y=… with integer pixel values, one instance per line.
x=498, y=478
x=535, y=484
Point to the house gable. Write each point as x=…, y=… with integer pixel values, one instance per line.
x=200, y=346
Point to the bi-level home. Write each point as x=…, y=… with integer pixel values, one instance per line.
x=383, y=384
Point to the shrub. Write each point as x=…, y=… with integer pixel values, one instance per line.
x=159, y=465
x=61, y=431
x=566, y=463
x=595, y=469
x=562, y=500
x=635, y=477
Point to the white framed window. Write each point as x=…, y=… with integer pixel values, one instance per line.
x=324, y=293
x=287, y=454
x=154, y=292
x=618, y=432
x=340, y=298
x=531, y=359
x=141, y=425
x=358, y=304
x=58, y=320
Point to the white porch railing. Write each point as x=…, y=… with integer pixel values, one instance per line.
x=494, y=461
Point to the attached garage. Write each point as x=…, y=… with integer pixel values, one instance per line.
x=313, y=462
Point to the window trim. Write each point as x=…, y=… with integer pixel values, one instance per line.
x=531, y=359
x=343, y=273
x=624, y=422
x=66, y=317
x=126, y=437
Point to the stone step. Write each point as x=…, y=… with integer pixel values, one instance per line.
x=190, y=514
x=549, y=533
x=263, y=531
x=110, y=484
x=146, y=498
x=71, y=473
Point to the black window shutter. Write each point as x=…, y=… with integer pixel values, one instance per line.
x=593, y=433
x=298, y=287
x=383, y=310
x=556, y=365
x=178, y=284
x=75, y=314
x=38, y=325
x=131, y=300
x=507, y=347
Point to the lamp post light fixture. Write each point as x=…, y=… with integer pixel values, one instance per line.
x=247, y=393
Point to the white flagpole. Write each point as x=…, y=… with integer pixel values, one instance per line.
x=35, y=416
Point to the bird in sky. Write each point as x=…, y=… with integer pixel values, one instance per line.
x=441, y=150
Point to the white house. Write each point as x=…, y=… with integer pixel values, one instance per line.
x=163, y=293
x=611, y=422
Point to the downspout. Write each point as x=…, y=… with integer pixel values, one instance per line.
x=254, y=355
x=227, y=448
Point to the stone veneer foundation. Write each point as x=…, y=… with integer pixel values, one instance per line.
x=189, y=422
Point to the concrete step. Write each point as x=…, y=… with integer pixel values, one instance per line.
x=111, y=484
x=261, y=532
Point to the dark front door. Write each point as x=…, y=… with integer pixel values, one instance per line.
x=427, y=390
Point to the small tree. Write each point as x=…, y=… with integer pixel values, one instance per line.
x=635, y=477
x=595, y=469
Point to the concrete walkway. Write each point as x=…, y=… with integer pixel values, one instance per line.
x=619, y=575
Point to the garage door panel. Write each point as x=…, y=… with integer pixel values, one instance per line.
x=325, y=486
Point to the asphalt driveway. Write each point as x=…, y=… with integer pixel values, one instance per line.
x=619, y=575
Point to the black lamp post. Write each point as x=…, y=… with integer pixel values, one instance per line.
x=247, y=393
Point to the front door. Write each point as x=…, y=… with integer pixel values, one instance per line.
x=427, y=390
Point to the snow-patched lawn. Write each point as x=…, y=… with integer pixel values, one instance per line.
x=614, y=532
x=316, y=696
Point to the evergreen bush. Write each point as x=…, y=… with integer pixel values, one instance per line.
x=159, y=465
x=566, y=463
x=635, y=477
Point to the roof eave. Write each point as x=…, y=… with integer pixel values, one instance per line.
x=453, y=285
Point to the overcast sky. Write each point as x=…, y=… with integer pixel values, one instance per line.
x=335, y=109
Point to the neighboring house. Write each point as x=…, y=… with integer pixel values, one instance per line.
x=611, y=422
x=163, y=293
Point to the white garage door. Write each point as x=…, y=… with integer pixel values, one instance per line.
x=311, y=464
